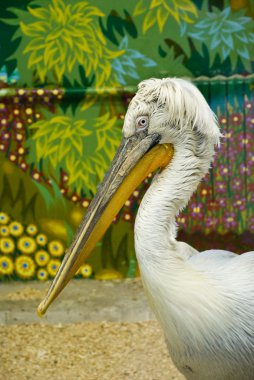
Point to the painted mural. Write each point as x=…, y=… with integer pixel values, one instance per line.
x=68, y=70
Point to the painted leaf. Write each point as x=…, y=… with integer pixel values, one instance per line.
x=215, y=42
x=117, y=66
x=140, y=8
x=214, y=28
x=35, y=44
x=162, y=17
x=63, y=149
x=148, y=62
x=34, y=59
x=242, y=37
x=243, y=52
x=10, y=21
x=132, y=73
x=29, y=30
x=149, y=21
x=49, y=52
x=225, y=13
x=225, y=52
x=94, y=11
x=227, y=38
x=124, y=43
x=155, y=3
x=188, y=6
x=134, y=54
x=59, y=71
x=233, y=26
x=54, y=34
x=127, y=61
x=38, y=12
x=67, y=38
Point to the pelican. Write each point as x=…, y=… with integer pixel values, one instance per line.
x=204, y=301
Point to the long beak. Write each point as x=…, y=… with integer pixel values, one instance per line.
x=136, y=157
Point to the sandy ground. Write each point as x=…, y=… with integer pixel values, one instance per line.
x=101, y=349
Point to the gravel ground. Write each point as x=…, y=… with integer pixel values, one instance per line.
x=128, y=346
x=85, y=351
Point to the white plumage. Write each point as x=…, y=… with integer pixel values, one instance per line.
x=203, y=301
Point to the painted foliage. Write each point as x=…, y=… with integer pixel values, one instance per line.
x=68, y=70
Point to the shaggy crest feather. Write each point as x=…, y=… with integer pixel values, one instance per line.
x=184, y=102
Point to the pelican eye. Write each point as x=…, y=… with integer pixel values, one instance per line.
x=142, y=122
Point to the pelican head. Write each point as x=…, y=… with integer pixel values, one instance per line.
x=165, y=119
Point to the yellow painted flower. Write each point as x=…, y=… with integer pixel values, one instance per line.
x=4, y=218
x=7, y=245
x=42, y=274
x=32, y=229
x=25, y=267
x=41, y=239
x=86, y=270
x=56, y=248
x=26, y=244
x=42, y=258
x=53, y=266
x=6, y=265
x=4, y=231
x=63, y=36
x=16, y=229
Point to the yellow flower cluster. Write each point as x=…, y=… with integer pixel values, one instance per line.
x=27, y=254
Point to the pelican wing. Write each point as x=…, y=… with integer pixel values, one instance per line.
x=234, y=272
x=212, y=258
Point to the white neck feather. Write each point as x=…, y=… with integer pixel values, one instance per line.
x=170, y=191
x=170, y=283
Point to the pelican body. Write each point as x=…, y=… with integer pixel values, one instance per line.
x=204, y=301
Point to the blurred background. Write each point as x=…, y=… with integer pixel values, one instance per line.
x=68, y=70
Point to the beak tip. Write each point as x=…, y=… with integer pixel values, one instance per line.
x=41, y=310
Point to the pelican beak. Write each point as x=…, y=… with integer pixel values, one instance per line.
x=136, y=157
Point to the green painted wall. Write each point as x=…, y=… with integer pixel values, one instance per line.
x=67, y=72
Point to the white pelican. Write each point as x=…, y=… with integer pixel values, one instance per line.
x=204, y=301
